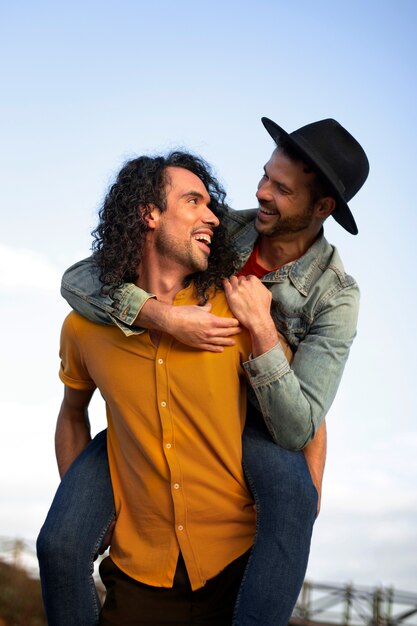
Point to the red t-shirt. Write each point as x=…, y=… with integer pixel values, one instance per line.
x=253, y=267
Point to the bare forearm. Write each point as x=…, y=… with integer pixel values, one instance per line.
x=72, y=435
x=155, y=315
x=263, y=336
x=193, y=325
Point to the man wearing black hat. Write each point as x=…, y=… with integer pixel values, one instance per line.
x=312, y=173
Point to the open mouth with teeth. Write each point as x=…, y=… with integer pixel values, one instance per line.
x=204, y=241
x=265, y=211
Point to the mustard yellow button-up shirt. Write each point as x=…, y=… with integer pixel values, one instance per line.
x=175, y=420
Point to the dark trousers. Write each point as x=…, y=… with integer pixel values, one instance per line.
x=131, y=603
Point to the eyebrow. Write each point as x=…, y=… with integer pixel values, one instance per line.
x=195, y=194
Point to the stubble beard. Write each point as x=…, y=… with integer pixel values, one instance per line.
x=287, y=225
x=181, y=252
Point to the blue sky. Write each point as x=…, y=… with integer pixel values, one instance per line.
x=86, y=86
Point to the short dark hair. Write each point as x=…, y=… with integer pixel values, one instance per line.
x=120, y=234
x=319, y=188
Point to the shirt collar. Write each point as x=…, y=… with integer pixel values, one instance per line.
x=300, y=272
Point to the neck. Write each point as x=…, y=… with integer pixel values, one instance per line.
x=281, y=249
x=160, y=277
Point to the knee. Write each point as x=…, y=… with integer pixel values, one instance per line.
x=298, y=481
x=55, y=544
x=48, y=544
x=281, y=479
x=302, y=490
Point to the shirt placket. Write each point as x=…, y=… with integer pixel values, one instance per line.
x=167, y=420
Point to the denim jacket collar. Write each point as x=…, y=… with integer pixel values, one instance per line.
x=302, y=272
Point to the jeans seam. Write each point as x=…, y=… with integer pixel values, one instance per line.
x=93, y=557
x=256, y=500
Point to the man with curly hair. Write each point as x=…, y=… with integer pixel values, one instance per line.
x=312, y=173
x=185, y=517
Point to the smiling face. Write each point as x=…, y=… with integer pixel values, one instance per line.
x=183, y=232
x=284, y=195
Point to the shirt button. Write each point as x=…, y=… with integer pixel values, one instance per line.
x=180, y=527
x=169, y=446
x=176, y=486
x=160, y=361
x=163, y=403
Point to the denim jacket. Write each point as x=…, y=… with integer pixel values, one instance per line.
x=315, y=306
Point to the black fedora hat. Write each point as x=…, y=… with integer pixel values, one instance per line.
x=335, y=155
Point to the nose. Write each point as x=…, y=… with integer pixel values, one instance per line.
x=211, y=218
x=264, y=189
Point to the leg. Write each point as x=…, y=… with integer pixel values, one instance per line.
x=70, y=538
x=286, y=505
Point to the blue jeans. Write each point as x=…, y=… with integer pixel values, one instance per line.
x=69, y=541
x=286, y=508
x=83, y=508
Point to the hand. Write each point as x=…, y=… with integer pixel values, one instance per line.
x=193, y=325
x=249, y=300
x=197, y=327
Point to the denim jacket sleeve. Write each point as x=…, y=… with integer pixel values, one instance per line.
x=295, y=399
x=82, y=289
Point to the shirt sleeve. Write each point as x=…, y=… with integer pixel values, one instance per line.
x=73, y=370
x=82, y=289
x=295, y=399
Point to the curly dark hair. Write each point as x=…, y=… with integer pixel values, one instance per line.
x=120, y=234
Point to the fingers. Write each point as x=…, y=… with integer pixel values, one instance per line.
x=217, y=343
x=226, y=331
x=208, y=347
x=224, y=325
x=228, y=324
x=234, y=282
x=245, y=287
x=221, y=341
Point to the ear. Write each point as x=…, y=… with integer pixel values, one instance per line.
x=324, y=207
x=151, y=214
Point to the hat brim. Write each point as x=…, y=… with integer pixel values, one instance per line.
x=341, y=212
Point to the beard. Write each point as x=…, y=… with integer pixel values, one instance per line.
x=184, y=253
x=286, y=225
